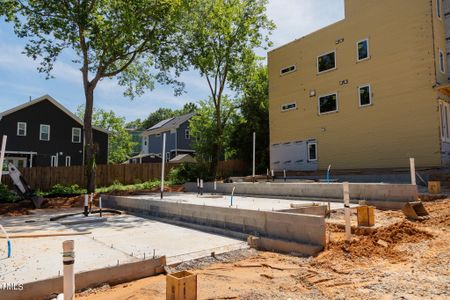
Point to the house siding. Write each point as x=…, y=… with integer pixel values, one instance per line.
x=404, y=37
x=44, y=112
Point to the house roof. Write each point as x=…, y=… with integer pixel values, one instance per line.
x=54, y=102
x=183, y=158
x=168, y=124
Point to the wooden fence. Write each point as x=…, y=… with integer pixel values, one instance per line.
x=43, y=178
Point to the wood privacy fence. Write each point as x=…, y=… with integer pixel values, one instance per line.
x=43, y=178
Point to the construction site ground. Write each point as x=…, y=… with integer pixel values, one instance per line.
x=399, y=259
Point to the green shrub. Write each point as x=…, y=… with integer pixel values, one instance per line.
x=59, y=189
x=6, y=195
x=187, y=172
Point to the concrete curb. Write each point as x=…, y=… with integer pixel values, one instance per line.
x=44, y=289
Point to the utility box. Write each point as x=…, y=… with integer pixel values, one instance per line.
x=181, y=286
x=434, y=187
x=366, y=215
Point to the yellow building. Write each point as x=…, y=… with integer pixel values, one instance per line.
x=369, y=91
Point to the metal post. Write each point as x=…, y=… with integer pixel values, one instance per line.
x=163, y=164
x=254, y=155
x=2, y=155
x=69, y=275
x=412, y=166
x=348, y=230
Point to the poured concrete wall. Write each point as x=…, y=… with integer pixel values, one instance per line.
x=358, y=191
x=44, y=289
x=299, y=228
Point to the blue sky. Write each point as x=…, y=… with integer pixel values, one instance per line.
x=19, y=79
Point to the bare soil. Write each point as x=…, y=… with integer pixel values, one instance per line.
x=401, y=260
x=25, y=207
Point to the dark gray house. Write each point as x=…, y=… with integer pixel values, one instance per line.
x=44, y=133
x=178, y=138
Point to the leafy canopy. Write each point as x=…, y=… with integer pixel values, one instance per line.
x=107, y=38
x=120, y=143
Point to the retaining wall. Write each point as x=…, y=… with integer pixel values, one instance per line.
x=333, y=191
x=298, y=228
x=45, y=289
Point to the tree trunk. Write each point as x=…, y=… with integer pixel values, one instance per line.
x=89, y=158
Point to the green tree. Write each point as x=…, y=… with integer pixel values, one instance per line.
x=120, y=143
x=254, y=111
x=135, y=41
x=202, y=128
x=221, y=36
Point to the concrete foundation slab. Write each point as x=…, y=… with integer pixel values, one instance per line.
x=122, y=238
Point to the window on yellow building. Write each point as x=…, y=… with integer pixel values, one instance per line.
x=326, y=62
x=365, y=95
x=441, y=61
x=288, y=106
x=288, y=70
x=363, y=50
x=328, y=103
x=312, y=151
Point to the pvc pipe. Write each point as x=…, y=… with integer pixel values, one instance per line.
x=348, y=230
x=2, y=155
x=232, y=194
x=198, y=186
x=163, y=164
x=412, y=167
x=284, y=175
x=328, y=174
x=201, y=186
x=100, y=205
x=215, y=186
x=69, y=274
x=254, y=155
x=86, y=208
x=8, y=241
x=273, y=174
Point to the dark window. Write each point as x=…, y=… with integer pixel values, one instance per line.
x=289, y=106
x=441, y=62
x=312, y=151
x=287, y=70
x=365, y=97
x=363, y=50
x=326, y=62
x=438, y=8
x=328, y=103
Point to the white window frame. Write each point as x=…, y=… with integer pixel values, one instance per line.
x=41, y=132
x=24, y=129
x=335, y=62
x=288, y=109
x=307, y=149
x=439, y=9
x=441, y=63
x=68, y=161
x=53, y=161
x=289, y=72
x=370, y=95
x=74, y=129
x=357, y=50
x=328, y=112
x=187, y=134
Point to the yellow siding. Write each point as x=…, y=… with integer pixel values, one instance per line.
x=402, y=70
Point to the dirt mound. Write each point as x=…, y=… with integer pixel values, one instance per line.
x=380, y=242
x=16, y=209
